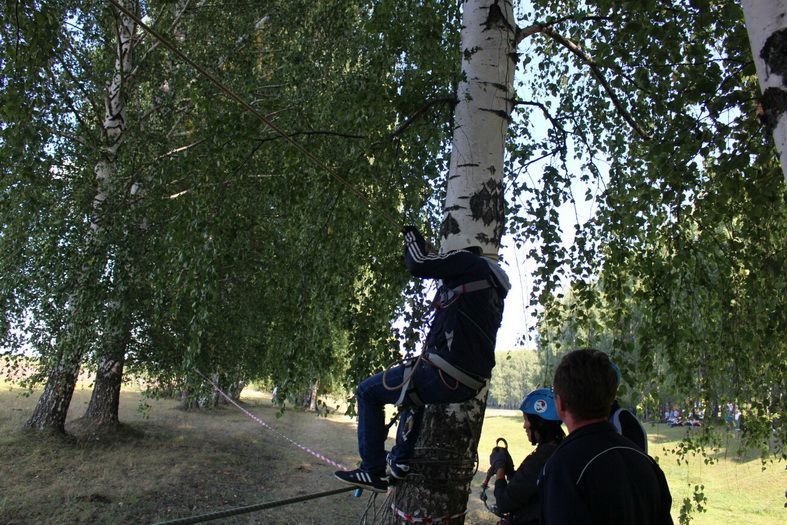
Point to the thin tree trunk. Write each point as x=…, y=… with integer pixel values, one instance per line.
x=310, y=401
x=51, y=409
x=766, y=23
x=447, y=444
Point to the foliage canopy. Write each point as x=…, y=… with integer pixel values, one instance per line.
x=228, y=251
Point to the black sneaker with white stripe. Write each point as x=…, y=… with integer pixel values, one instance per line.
x=361, y=478
x=397, y=470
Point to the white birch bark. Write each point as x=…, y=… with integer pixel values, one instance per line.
x=766, y=23
x=104, y=401
x=114, y=122
x=446, y=448
x=473, y=213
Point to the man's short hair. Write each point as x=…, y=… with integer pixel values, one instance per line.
x=586, y=382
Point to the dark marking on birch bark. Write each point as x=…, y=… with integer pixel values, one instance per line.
x=450, y=226
x=487, y=205
x=468, y=165
x=774, y=53
x=500, y=113
x=495, y=19
x=772, y=106
x=498, y=85
x=468, y=53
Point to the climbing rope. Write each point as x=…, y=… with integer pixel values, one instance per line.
x=261, y=422
x=253, y=508
x=251, y=109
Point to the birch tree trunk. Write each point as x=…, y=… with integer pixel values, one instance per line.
x=52, y=407
x=102, y=412
x=473, y=214
x=766, y=23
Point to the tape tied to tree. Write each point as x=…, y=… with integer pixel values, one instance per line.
x=425, y=519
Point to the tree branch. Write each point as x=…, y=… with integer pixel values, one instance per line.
x=546, y=28
x=522, y=33
x=555, y=123
x=180, y=149
x=311, y=133
x=596, y=71
x=423, y=109
x=179, y=10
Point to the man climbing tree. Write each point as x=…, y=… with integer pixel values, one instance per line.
x=456, y=363
x=473, y=211
x=473, y=218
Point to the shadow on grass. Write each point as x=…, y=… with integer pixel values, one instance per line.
x=168, y=463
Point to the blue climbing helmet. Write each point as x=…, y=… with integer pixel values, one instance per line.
x=540, y=402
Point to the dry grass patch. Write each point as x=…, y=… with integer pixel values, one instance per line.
x=170, y=464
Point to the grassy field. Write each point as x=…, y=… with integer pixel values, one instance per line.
x=170, y=464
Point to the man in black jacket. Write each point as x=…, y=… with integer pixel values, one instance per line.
x=456, y=362
x=597, y=476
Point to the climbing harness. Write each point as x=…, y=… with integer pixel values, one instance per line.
x=449, y=295
x=409, y=393
x=461, y=376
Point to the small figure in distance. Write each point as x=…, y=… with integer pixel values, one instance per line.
x=596, y=476
x=456, y=362
x=516, y=498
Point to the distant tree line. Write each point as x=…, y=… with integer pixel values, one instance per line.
x=515, y=374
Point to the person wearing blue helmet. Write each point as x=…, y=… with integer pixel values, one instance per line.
x=516, y=492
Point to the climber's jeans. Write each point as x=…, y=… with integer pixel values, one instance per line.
x=431, y=385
